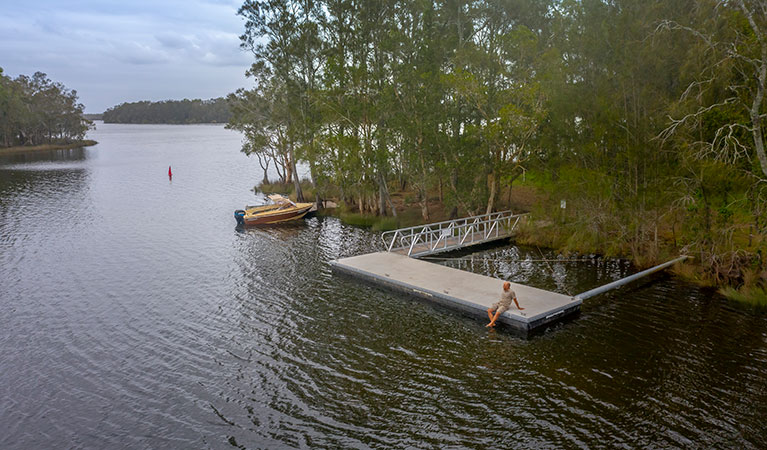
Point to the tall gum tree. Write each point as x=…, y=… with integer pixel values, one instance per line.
x=733, y=35
x=261, y=114
x=282, y=36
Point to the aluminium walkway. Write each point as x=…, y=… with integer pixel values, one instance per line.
x=423, y=240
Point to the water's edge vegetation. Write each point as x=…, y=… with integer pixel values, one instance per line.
x=541, y=229
x=44, y=147
x=644, y=120
x=36, y=111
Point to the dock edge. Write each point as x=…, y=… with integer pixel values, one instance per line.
x=523, y=328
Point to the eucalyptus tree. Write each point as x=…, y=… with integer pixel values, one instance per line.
x=494, y=74
x=338, y=141
x=461, y=20
x=418, y=60
x=261, y=114
x=283, y=37
x=36, y=110
x=358, y=42
x=307, y=48
x=731, y=83
x=369, y=65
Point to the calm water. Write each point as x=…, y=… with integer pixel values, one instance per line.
x=135, y=315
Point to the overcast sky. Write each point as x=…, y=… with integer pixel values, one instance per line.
x=121, y=51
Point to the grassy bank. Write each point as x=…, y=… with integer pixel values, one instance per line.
x=716, y=230
x=287, y=189
x=408, y=215
x=748, y=288
x=376, y=223
x=752, y=296
x=408, y=211
x=46, y=147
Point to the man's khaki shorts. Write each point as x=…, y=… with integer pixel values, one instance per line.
x=501, y=306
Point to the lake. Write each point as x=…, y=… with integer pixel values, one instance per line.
x=135, y=314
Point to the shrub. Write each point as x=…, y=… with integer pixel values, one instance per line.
x=749, y=295
x=360, y=220
x=386, y=224
x=287, y=189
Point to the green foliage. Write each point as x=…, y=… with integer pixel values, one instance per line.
x=360, y=220
x=752, y=296
x=288, y=189
x=575, y=98
x=386, y=224
x=35, y=110
x=185, y=111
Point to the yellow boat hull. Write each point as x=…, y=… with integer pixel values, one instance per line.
x=266, y=215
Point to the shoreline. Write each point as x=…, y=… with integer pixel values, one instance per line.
x=547, y=231
x=38, y=148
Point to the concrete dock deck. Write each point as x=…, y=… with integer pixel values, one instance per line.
x=457, y=289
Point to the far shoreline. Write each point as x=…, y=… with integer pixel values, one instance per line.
x=44, y=147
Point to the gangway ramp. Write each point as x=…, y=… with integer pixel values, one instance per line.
x=451, y=235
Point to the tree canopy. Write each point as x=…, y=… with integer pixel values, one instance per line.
x=35, y=110
x=646, y=115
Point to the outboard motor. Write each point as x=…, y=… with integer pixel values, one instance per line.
x=239, y=216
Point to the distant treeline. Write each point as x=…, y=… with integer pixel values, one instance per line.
x=215, y=110
x=35, y=110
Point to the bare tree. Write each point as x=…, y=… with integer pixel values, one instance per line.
x=739, y=53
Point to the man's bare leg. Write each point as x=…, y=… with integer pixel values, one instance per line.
x=490, y=314
x=494, y=318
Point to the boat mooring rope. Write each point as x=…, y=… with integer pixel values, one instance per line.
x=437, y=258
x=552, y=271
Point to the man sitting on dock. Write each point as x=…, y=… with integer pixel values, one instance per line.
x=502, y=305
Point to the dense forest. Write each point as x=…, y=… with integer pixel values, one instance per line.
x=215, y=110
x=36, y=111
x=646, y=116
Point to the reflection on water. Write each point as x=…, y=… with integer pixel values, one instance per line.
x=535, y=267
x=23, y=160
x=135, y=314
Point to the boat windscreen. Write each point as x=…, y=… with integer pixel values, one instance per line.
x=277, y=198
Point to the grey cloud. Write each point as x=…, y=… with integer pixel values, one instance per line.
x=224, y=49
x=135, y=53
x=172, y=40
x=127, y=51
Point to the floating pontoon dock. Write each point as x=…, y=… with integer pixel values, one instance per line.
x=458, y=289
x=399, y=270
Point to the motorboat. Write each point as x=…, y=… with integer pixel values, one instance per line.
x=278, y=209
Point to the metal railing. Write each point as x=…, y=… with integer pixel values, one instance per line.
x=451, y=234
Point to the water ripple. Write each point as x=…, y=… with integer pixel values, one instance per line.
x=136, y=315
